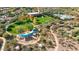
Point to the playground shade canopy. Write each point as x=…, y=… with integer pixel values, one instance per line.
x=26, y=35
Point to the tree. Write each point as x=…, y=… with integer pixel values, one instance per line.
x=8, y=37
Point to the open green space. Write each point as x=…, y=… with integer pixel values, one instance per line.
x=25, y=25
x=20, y=26
x=43, y=20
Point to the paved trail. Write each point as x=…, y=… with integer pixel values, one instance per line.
x=30, y=42
x=4, y=42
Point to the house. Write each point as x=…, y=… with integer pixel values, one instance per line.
x=35, y=14
x=63, y=17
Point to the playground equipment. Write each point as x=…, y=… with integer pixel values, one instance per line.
x=27, y=35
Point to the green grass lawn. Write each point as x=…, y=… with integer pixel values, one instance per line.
x=20, y=26
x=43, y=20
x=26, y=24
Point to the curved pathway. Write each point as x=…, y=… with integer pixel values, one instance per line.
x=30, y=42
x=56, y=39
x=4, y=42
